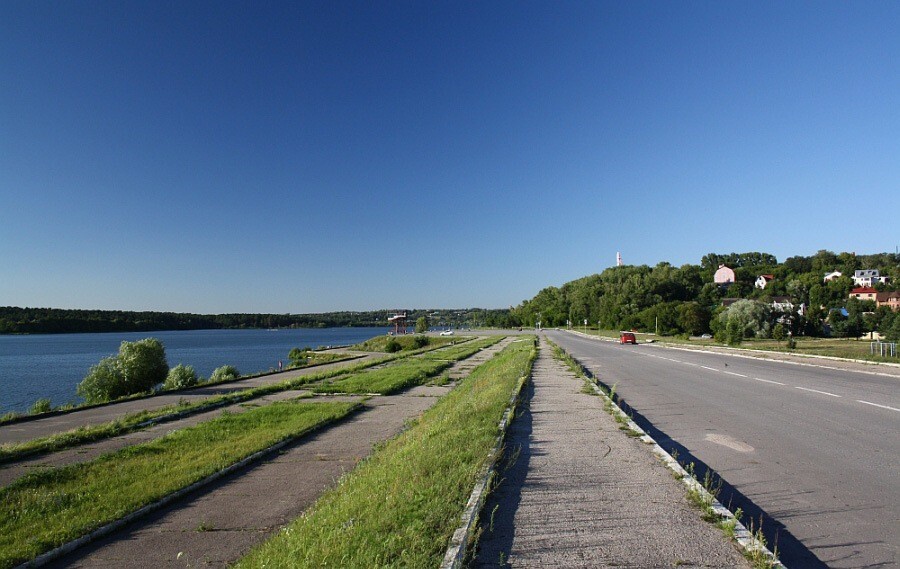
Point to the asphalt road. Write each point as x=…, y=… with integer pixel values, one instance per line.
x=814, y=451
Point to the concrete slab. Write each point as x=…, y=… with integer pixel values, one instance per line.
x=578, y=492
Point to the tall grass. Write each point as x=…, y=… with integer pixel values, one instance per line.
x=400, y=507
x=49, y=508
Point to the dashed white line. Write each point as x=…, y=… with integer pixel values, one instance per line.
x=709, y=368
x=817, y=391
x=768, y=381
x=877, y=405
x=737, y=374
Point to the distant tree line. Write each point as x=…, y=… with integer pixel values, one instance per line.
x=15, y=320
x=685, y=300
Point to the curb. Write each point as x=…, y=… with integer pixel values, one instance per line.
x=102, y=531
x=456, y=551
x=746, y=542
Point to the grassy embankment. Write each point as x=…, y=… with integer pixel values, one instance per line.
x=412, y=371
x=135, y=421
x=400, y=507
x=49, y=508
x=405, y=342
x=848, y=348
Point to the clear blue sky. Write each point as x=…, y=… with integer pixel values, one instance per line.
x=314, y=156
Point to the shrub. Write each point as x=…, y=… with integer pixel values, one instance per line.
x=180, y=376
x=139, y=367
x=224, y=373
x=778, y=332
x=420, y=342
x=299, y=357
x=392, y=346
x=41, y=406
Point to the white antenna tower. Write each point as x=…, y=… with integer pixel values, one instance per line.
x=618, y=259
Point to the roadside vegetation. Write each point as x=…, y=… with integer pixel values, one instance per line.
x=49, y=508
x=400, y=507
x=685, y=301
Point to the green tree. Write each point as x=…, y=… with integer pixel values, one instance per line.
x=139, y=366
x=299, y=357
x=224, y=373
x=143, y=364
x=751, y=318
x=421, y=324
x=693, y=318
x=180, y=376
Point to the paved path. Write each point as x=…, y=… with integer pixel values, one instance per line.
x=581, y=493
x=217, y=524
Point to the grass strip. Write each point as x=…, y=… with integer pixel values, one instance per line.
x=135, y=421
x=405, y=342
x=400, y=507
x=47, y=509
x=462, y=351
x=412, y=371
x=385, y=380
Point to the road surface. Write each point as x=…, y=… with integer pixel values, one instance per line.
x=815, y=451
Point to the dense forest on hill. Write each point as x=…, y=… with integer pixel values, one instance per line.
x=685, y=300
x=14, y=320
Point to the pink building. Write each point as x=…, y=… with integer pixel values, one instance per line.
x=724, y=276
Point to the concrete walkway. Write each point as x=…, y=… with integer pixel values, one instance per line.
x=579, y=492
x=217, y=524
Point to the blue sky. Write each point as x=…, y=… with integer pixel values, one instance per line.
x=315, y=156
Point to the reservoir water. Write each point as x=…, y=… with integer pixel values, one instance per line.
x=32, y=367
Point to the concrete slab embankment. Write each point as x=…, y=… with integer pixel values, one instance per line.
x=59, y=423
x=580, y=493
x=215, y=525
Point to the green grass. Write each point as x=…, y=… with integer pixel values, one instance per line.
x=385, y=380
x=409, y=372
x=46, y=509
x=463, y=350
x=321, y=358
x=400, y=507
x=379, y=343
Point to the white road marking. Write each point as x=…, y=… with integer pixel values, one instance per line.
x=877, y=405
x=733, y=373
x=768, y=381
x=709, y=368
x=817, y=391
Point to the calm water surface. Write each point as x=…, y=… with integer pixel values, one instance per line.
x=32, y=367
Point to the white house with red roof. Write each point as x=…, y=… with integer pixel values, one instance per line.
x=763, y=280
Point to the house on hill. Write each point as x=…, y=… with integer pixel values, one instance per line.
x=889, y=299
x=724, y=276
x=763, y=280
x=863, y=293
x=832, y=276
x=868, y=277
